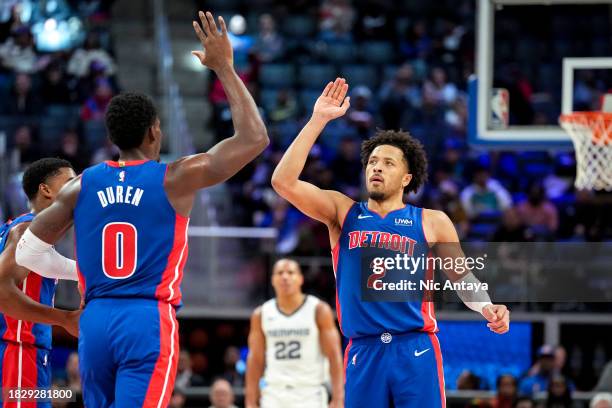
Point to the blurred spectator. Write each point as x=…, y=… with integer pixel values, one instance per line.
x=467, y=380
x=559, y=394
x=336, y=19
x=346, y=168
x=438, y=90
x=539, y=213
x=361, y=115
x=399, y=98
x=17, y=52
x=178, y=398
x=231, y=374
x=54, y=89
x=512, y=228
x=95, y=106
x=107, y=152
x=221, y=394
x=269, y=44
x=185, y=377
x=24, y=144
x=70, y=149
x=82, y=59
x=73, y=378
x=376, y=20
x=456, y=118
x=507, y=392
x=601, y=400
x=485, y=194
x=14, y=21
x=417, y=44
x=540, y=381
x=22, y=99
x=524, y=402
x=242, y=43
x=285, y=106
x=199, y=366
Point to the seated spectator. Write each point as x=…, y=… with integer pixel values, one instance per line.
x=221, y=394
x=269, y=44
x=400, y=98
x=242, y=43
x=467, y=380
x=230, y=359
x=417, y=44
x=438, y=90
x=485, y=194
x=285, y=108
x=336, y=16
x=601, y=400
x=73, y=378
x=559, y=394
x=81, y=60
x=24, y=144
x=22, y=99
x=13, y=22
x=524, y=402
x=95, y=106
x=185, y=377
x=540, y=381
x=346, y=168
x=507, y=392
x=17, y=53
x=54, y=89
x=376, y=21
x=538, y=212
x=361, y=115
x=71, y=149
x=512, y=228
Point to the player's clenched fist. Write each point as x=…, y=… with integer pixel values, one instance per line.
x=498, y=317
x=218, y=53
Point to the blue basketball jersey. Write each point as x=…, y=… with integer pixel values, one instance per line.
x=130, y=243
x=366, y=235
x=36, y=287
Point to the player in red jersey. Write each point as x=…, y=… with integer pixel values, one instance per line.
x=130, y=220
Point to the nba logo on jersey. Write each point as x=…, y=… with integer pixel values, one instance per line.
x=122, y=176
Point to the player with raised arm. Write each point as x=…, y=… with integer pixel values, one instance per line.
x=290, y=337
x=26, y=298
x=393, y=357
x=131, y=219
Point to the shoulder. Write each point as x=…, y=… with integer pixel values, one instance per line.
x=438, y=227
x=343, y=205
x=436, y=217
x=16, y=232
x=323, y=311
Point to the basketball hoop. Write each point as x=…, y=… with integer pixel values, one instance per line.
x=591, y=133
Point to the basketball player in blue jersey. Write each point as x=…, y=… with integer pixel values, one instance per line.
x=26, y=298
x=393, y=358
x=131, y=220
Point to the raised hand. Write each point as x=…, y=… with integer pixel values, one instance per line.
x=218, y=53
x=333, y=102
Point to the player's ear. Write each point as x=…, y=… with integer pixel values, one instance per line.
x=406, y=180
x=45, y=191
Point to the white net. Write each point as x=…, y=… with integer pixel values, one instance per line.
x=591, y=133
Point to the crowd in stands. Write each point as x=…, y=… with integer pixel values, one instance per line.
x=52, y=103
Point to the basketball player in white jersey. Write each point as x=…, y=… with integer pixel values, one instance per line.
x=291, y=336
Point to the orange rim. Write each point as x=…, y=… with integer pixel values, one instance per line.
x=599, y=122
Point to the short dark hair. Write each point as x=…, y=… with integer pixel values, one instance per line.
x=413, y=151
x=128, y=117
x=39, y=172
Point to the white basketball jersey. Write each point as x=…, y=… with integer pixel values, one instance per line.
x=293, y=351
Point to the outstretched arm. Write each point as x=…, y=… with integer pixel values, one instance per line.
x=322, y=205
x=15, y=303
x=226, y=158
x=255, y=361
x=329, y=339
x=440, y=231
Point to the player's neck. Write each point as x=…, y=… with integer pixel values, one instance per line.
x=134, y=155
x=290, y=304
x=384, y=207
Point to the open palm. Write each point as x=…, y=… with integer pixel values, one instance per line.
x=333, y=102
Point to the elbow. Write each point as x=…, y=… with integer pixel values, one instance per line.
x=279, y=183
x=263, y=140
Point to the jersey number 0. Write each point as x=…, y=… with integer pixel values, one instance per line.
x=119, y=250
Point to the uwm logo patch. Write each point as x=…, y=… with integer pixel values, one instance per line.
x=407, y=222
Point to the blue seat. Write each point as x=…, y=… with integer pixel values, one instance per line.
x=316, y=76
x=268, y=98
x=277, y=75
x=377, y=52
x=360, y=75
x=299, y=26
x=340, y=53
x=308, y=98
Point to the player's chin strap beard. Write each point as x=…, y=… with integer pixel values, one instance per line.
x=376, y=195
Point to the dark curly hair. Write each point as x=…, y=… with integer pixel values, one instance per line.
x=414, y=155
x=39, y=172
x=128, y=117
